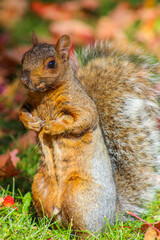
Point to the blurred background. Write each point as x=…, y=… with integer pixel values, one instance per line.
x=126, y=22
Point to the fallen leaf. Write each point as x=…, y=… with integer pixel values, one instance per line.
x=51, y=11
x=11, y=11
x=113, y=25
x=123, y=15
x=90, y=4
x=80, y=32
x=8, y=202
x=25, y=141
x=145, y=226
x=108, y=29
x=28, y=139
x=14, y=158
x=147, y=14
x=151, y=234
x=8, y=163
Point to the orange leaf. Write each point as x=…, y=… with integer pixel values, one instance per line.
x=156, y=225
x=8, y=163
x=151, y=234
x=147, y=225
x=80, y=32
x=51, y=11
x=90, y=4
x=11, y=11
x=8, y=202
x=25, y=141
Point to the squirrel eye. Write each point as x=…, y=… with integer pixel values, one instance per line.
x=51, y=64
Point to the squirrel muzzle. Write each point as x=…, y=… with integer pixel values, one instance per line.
x=32, y=82
x=25, y=77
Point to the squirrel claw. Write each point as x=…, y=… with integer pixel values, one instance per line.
x=56, y=211
x=48, y=130
x=36, y=125
x=57, y=214
x=43, y=123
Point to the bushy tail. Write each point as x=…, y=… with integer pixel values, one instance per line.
x=121, y=84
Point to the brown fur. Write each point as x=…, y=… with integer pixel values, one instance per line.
x=75, y=173
x=66, y=121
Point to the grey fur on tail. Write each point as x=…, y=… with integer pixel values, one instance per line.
x=121, y=85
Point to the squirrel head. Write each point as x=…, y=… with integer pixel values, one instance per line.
x=45, y=66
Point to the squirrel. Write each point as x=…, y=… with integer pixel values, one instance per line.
x=104, y=105
x=75, y=177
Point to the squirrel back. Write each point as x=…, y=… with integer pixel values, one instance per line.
x=120, y=83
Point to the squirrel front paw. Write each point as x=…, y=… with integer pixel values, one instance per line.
x=61, y=125
x=30, y=122
x=53, y=128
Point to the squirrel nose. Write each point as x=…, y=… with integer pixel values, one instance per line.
x=25, y=77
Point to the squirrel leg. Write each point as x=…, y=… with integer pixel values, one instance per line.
x=45, y=189
x=45, y=193
x=84, y=205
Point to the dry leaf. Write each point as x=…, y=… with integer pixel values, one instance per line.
x=151, y=234
x=113, y=25
x=80, y=32
x=108, y=29
x=147, y=14
x=90, y=4
x=28, y=139
x=52, y=11
x=25, y=141
x=8, y=163
x=14, y=158
x=145, y=226
x=11, y=11
x=123, y=15
x=8, y=202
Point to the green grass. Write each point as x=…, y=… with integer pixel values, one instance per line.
x=24, y=223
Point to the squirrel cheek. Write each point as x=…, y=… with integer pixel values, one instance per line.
x=35, y=81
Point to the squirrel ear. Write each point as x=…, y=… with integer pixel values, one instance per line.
x=63, y=46
x=34, y=39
